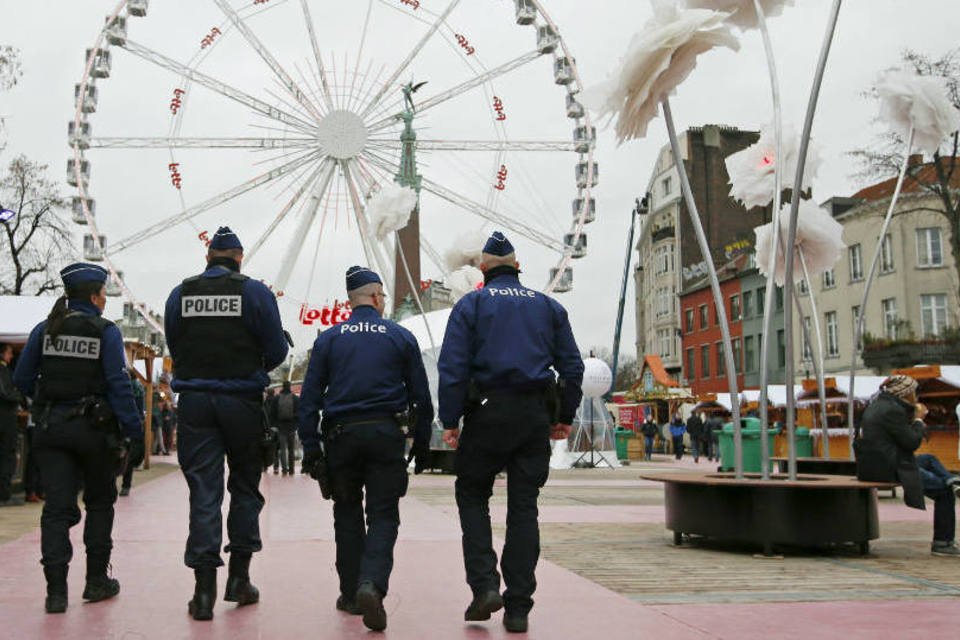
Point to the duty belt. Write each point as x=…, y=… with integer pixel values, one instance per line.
x=339, y=426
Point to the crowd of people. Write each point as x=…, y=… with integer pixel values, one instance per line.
x=701, y=430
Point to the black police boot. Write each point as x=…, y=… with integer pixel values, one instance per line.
x=483, y=605
x=349, y=606
x=515, y=622
x=204, y=593
x=56, y=601
x=99, y=585
x=370, y=602
x=239, y=589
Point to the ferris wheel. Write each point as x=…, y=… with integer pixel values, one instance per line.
x=283, y=118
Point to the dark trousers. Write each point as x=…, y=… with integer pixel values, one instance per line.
x=509, y=432
x=213, y=426
x=677, y=447
x=137, y=451
x=934, y=477
x=647, y=447
x=287, y=447
x=366, y=457
x=70, y=452
x=31, y=470
x=8, y=450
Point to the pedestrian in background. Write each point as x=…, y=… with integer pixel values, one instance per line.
x=223, y=330
x=74, y=368
x=136, y=452
x=649, y=430
x=502, y=345
x=10, y=400
x=677, y=429
x=285, y=408
x=695, y=431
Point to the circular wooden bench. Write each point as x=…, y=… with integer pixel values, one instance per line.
x=811, y=510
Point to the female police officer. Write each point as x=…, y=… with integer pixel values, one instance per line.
x=73, y=367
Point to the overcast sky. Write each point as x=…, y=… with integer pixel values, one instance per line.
x=133, y=189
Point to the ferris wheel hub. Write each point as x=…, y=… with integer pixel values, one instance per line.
x=342, y=134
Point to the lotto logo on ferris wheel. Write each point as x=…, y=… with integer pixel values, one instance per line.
x=314, y=107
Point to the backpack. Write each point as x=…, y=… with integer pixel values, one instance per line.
x=285, y=409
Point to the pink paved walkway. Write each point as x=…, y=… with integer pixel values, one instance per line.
x=296, y=577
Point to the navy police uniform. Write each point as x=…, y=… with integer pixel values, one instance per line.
x=73, y=376
x=501, y=348
x=224, y=333
x=362, y=374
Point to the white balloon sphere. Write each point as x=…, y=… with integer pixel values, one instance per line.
x=597, y=377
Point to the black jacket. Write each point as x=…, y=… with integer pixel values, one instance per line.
x=885, y=450
x=9, y=396
x=650, y=429
x=695, y=426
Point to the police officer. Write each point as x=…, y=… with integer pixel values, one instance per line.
x=501, y=348
x=363, y=374
x=224, y=333
x=74, y=368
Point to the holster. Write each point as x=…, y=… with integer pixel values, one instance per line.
x=268, y=442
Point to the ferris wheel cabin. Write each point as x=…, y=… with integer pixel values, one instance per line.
x=77, y=209
x=137, y=8
x=583, y=175
x=89, y=103
x=113, y=285
x=577, y=249
x=591, y=210
x=562, y=71
x=584, y=139
x=116, y=30
x=102, y=62
x=565, y=283
x=574, y=108
x=526, y=12
x=79, y=138
x=547, y=39
x=93, y=247
x=72, y=172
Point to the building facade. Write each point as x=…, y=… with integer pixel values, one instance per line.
x=669, y=258
x=914, y=293
x=753, y=289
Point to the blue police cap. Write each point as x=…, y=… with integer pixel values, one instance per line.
x=224, y=238
x=498, y=245
x=360, y=276
x=80, y=272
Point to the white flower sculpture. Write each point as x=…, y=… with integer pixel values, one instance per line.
x=389, y=209
x=742, y=12
x=466, y=250
x=752, y=171
x=819, y=239
x=463, y=281
x=909, y=99
x=658, y=59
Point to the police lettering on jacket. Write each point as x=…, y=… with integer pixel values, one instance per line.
x=212, y=306
x=510, y=291
x=71, y=347
x=363, y=327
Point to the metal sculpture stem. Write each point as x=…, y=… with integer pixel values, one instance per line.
x=858, y=327
x=714, y=285
x=768, y=310
x=792, y=234
x=816, y=356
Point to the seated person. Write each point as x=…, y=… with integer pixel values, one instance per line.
x=892, y=430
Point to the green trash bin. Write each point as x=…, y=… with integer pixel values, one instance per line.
x=750, y=434
x=803, y=442
x=621, y=436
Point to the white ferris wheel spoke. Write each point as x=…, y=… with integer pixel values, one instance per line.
x=460, y=89
x=303, y=229
x=201, y=143
x=433, y=255
x=324, y=84
x=226, y=196
x=218, y=86
x=356, y=66
x=480, y=145
x=371, y=245
x=478, y=209
x=288, y=82
x=388, y=85
x=327, y=164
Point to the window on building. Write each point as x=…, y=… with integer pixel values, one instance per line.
x=833, y=334
x=737, y=355
x=665, y=342
x=734, y=308
x=716, y=315
x=721, y=362
x=779, y=298
x=705, y=361
x=806, y=337
x=703, y=317
x=663, y=259
x=748, y=304
x=856, y=262
x=665, y=302
x=666, y=185
x=761, y=299
x=886, y=255
x=855, y=313
x=781, y=350
x=929, y=249
x=691, y=364
x=749, y=354
x=933, y=314
x=802, y=287
x=688, y=318
x=829, y=279
x=889, y=308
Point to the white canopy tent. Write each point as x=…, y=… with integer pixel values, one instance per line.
x=20, y=314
